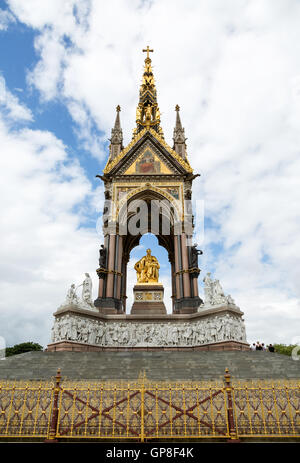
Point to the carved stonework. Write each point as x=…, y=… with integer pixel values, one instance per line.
x=195, y=252
x=148, y=299
x=219, y=328
x=86, y=302
x=102, y=257
x=214, y=294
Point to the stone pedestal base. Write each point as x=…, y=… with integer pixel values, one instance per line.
x=109, y=305
x=148, y=299
x=218, y=328
x=72, y=346
x=187, y=305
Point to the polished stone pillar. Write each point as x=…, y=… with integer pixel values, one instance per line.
x=195, y=287
x=177, y=267
x=185, y=267
x=109, y=299
x=101, y=287
x=187, y=298
x=173, y=280
x=123, y=295
x=111, y=266
x=119, y=267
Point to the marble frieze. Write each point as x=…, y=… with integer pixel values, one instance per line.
x=168, y=332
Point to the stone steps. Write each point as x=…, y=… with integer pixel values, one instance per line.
x=193, y=365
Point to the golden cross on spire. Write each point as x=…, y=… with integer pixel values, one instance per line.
x=147, y=50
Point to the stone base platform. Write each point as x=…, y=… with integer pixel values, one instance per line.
x=158, y=366
x=72, y=346
x=217, y=328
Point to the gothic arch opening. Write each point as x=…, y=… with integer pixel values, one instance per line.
x=148, y=240
x=150, y=216
x=148, y=211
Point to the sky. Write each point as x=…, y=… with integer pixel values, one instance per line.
x=234, y=69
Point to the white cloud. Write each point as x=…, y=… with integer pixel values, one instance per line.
x=11, y=106
x=6, y=18
x=39, y=15
x=44, y=246
x=234, y=69
x=48, y=71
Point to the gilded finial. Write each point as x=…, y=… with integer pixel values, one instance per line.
x=118, y=108
x=147, y=50
x=177, y=108
x=147, y=111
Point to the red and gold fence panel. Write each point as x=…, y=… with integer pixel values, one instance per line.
x=142, y=410
x=99, y=410
x=25, y=408
x=267, y=409
x=145, y=410
x=185, y=410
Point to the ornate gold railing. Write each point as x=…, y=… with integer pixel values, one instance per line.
x=25, y=408
x=144, y=410
x=269, y=409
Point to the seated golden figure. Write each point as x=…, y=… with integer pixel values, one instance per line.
x=147, y=269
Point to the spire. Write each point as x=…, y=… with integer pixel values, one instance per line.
x=147, y=111
x=178, y=125
x=117, y=121
x=116, y=141
x=179, y=136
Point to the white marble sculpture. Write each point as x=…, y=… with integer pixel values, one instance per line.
x=86, y=301
x=214, y=294
x=87, y=289
x=71, y=297
x=219, y=328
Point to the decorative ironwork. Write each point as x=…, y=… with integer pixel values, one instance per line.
x=144, y=410
x=25, y=408
x=268, y=408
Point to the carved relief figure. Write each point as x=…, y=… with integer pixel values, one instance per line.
x=208, y=288
x=138, y=113
x=214, y=293
x=71, y=296
x=215, y=329
x=218, y=293
x=87, y=289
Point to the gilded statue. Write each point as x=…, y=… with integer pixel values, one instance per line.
x=147, y=269
x=148, y=113
x=138, y=113
x=157, y=115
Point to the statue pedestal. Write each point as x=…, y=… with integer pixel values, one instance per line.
x=148, y=299
x=218, y=328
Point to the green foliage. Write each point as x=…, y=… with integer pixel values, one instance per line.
x=21, y=348
x=284, y=349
